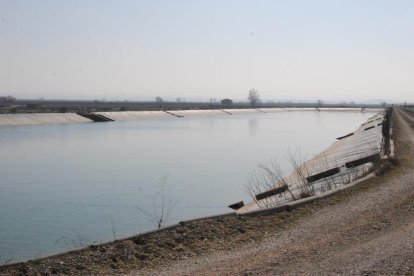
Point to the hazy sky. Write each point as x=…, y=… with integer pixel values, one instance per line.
x=287, y=50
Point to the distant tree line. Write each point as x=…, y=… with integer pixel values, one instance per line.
x=7, y=100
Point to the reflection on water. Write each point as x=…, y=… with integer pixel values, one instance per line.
x=253, y=125
x=62, y=182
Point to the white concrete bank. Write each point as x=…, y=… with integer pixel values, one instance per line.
x=41, y=119
x=345, y=163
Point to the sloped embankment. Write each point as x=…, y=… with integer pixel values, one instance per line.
x=41, y=119
x=353, y=156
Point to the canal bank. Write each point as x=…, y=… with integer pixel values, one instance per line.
x=89, y=117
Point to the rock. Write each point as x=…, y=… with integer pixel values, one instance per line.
x=376, y=227
x=179, y=239
x=143, y=257
x=78, y=267
x=241, y=230
x=139, y=240
x=179, y=249
x=181, y=230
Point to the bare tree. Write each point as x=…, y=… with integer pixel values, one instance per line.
x=113, y=225
x=158, y=99
x=301, y=172
x=265, y=179
x=253, y=97
x=319, y=103
x=329, y=181
x=162, y=207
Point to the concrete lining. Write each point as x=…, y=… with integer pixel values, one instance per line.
x=41, y=119
x=201, y=112
x=273, y=110
x=61, y=118
x=241, y=111
x=300, y=202
x=327, y=170
x=135, y=115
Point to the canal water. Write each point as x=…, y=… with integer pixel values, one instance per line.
x=67, y=186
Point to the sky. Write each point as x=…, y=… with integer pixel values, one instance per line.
x=136, y=50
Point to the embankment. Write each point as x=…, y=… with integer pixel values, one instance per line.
x=41, y=119
x=67, y=118
x=351, y=157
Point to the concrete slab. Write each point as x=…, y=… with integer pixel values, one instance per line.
x=41, y=118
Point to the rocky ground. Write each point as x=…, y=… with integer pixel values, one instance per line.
x=368, y=229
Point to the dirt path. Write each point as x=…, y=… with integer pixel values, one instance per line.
x=370, y=232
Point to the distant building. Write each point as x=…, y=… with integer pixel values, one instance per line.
x=226, y=102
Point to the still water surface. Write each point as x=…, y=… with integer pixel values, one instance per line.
x=62, y=186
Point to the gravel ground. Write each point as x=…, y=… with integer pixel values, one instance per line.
x=368, y=229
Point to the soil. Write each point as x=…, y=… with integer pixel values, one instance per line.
x=368, y=229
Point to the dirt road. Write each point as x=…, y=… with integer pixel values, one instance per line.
x=370, y=232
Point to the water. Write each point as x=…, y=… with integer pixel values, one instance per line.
x=64, y=186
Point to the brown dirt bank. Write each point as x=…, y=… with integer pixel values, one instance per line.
x=368, y=229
